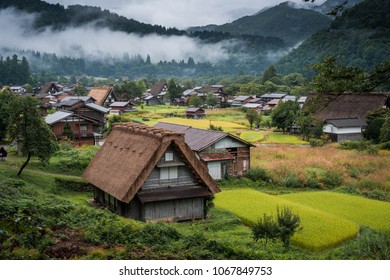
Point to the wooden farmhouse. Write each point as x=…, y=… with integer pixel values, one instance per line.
x=103, y=95
x=344, y=129
x=148, y=173
x=81, y=127
x=195, y=113
x=118, y=108
x=222, y=153
x=344, y=115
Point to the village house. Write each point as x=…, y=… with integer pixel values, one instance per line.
x=241, y=100
x=344, y=129
x=103, y=95
x=81, y=127
x=223, y=153
x=118, y=108
x=195, y=113
x=274, y=95
x=344, y=115
x=149, y=174
x=151, y=100
x=160, y=91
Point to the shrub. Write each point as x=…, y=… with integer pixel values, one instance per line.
x=266, y=229
x=312, y=183
x=293, y=181
x=159, y=233
x=385, y=145
x=288, y=223
x=332, y=179
x=258, y=173
x=370, y=245
x=74, y=185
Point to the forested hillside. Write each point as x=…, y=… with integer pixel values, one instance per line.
x=360, y=37
x=283, y=21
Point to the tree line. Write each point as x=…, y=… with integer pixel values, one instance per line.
x=14, y=71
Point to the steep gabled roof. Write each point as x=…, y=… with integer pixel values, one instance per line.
x=100, y=94
x=129, y=155
x=346, y=105
x=199, y=139
x=157, y=88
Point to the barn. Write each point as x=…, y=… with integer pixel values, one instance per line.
x=148, y=174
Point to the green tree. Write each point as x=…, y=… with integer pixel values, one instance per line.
x=289, y=224
x=284, y=115
x=385, y=131
x=68, y=133
x=80, y=90
x=211, y=100
x=268, y=74
x=251, y=115
x=195, y=101
x=265, y=229
x=28, y=128
x=7, y=100
x=336, y=78
x=174, y=90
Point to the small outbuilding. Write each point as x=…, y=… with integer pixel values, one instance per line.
x=195, y=113
x=344, y=129
x=148, y=173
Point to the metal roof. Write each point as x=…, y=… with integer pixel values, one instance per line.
x=347, y=122
x=119, y=104
x=97, y=107
x=198, y=139
x=274, y=95
x=57, y=116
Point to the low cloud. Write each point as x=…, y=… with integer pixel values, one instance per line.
x=90, y=42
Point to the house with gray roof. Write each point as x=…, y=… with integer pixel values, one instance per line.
x=344, y=129
x=223, y=153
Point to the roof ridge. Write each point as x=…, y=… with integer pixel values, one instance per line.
x=145, y=130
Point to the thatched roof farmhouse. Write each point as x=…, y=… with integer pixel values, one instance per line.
x=148, y=173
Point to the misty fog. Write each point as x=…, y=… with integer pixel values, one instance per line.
x=93, y=43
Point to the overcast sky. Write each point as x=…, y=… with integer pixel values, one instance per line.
x=180, y=13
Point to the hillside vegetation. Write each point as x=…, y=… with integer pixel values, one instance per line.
x=360, y=37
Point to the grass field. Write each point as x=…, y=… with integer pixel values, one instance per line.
x=321, y=230
x=362, y=211
x=280, y=138
x=252, y=136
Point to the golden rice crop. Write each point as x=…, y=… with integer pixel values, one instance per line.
x=363, y=211
x=320, y=230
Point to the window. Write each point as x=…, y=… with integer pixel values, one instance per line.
x=168, y=173
x=83, y=127
x=168, y=156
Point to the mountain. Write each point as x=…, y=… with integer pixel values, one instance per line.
x=58, y=18
x=329, y=5
x=286, y=21
x=360, y=37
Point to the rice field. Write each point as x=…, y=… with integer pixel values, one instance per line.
x=252, y=136
x=362, y=211
x=204, y=123
x=321, y=230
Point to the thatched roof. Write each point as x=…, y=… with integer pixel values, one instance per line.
x=346, y=105
x=129, y=155
x=100, y=94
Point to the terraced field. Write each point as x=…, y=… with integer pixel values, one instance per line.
x=328, y=219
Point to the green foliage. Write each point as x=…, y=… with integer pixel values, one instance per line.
x=385, y=131
x=72, y=184
x=258, y=173
x=251, y=115
x=14, y=71
x=332, y=179
x=373, y=130
x=157, y=234
x=283, y=115
x=371, y=245
x=293, y=181
x=28, y=128
x=285, y=226
x=288, y=223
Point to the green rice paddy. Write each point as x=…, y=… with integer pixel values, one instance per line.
x=328, y=219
